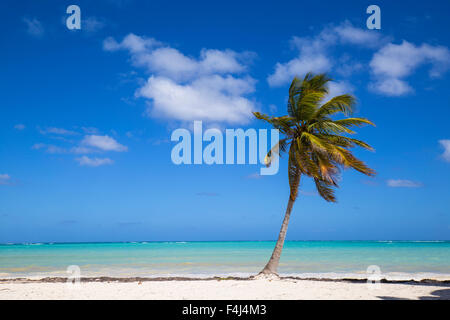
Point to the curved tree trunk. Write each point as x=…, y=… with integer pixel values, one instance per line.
x=272, y=265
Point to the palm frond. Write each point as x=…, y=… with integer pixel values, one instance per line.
x=346, y=142
x=307, y=104
x=353, y=122
x=325, y=190
x=316, y=82
x=329, y=127
x=283, y=124
x=349, y=160
x=280, y=147
x=343, y=103
x=329, y=172
x=317, y=143
x=306, y=164
x=305, y=96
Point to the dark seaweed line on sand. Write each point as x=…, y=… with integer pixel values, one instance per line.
x=146, y=279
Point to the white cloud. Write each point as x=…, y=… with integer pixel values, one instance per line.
x=285, y=72
x=58, y=131
x=93, y=162
x=346, y=66
x=4, y=179
x=446, y=145
x=400, y=60
x=391, y=87
x=55, y=149
x=92, y=24
x=19, y=126
x=91, y=142
x=131, y=42
x=169, y=62
x=200, y=99
x=390, y=65
x=105, y=143
x=347, y=69
x=52, y=149
x=363, y=37
x=403, y=183
x=34, y=27
x=81, y=150
x=49, y=148
x=313, y=52
x=88, y=144
x=212, y=87
x=336, y=88
x=38, y=146
x=394, y=62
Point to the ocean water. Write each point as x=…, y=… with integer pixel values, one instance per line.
x=397, y=260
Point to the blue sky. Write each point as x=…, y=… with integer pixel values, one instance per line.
x=86, y=118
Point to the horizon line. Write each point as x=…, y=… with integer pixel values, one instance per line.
x=165, y=241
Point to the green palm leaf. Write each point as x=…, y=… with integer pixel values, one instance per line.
x=317, y=146
x=343, y=103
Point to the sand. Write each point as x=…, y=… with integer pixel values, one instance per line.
x=286, y=289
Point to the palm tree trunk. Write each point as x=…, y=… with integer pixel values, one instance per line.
x=272, y=265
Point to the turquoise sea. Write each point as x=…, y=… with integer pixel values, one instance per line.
x=315, y=259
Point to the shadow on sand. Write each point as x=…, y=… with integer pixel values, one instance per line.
x=441, y=294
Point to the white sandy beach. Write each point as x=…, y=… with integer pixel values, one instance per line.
x=286, y=289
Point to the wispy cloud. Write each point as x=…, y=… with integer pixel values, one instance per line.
x=399, y=183
x=393, y=63
x=49, y=148
x=58, y=131
x=82, y=150
x=336, y=88
x=273, y=108
x=158, y=142
x=347, y=66
x=87, y=144
x=5, y=179
x=93, y=162
x=34, y=27
x=93, y=24
x=314, y=55
x=390, y=66
x=446, y=145
x=53, y=149
x=105, y=143
x=348, y=34
x=19, y=127
x=213, y=87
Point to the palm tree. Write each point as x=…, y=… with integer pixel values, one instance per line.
x=315, y=142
